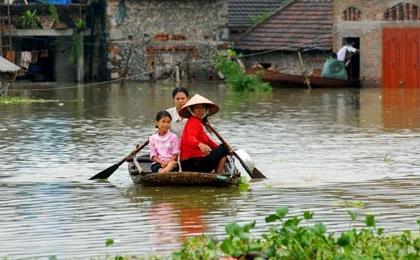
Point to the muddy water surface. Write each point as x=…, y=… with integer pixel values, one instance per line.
x=322, y=150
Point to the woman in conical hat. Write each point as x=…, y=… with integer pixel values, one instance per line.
x=199, y=153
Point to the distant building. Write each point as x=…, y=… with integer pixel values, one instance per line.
x=301, y=25
x=40, y=39
x=388, y=35
x=163, y=34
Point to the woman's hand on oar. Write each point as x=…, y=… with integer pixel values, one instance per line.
x=254, y=173
x=110, y=170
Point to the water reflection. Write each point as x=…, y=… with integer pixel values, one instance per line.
x=180, y=211
x=401, y=108
x=318, y=148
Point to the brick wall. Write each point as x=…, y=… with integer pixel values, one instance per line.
x=165, y=32
x=369, y=29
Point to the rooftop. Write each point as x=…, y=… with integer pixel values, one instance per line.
x=302, y=25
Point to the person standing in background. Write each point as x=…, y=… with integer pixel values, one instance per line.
x=180, y=98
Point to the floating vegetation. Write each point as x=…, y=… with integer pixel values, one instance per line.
x=11, y=100
x=227, y=63
x=352, y=204
x=243, y=184
x=287, y=238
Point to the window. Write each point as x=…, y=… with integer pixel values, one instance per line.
x=402, y=12
x=351, y=14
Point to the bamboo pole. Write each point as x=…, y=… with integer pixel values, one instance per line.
x=304, y=71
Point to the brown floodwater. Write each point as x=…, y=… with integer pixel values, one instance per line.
x=323, y=150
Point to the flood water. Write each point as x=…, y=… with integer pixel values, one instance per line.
x=322, y=150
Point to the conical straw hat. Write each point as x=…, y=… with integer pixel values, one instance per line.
x=195, y=100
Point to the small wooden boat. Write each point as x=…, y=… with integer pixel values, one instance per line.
x=139, y=175
x=278, y=79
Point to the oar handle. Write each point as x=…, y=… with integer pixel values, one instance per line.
x=132, y=153
x=219, y=136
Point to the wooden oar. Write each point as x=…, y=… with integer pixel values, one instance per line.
x=253, y=173
x=110, y=170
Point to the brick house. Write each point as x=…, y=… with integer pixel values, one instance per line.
x=165, y=33
x=388, y=34
x=301, y=25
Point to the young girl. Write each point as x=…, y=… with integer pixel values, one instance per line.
x=164, y=145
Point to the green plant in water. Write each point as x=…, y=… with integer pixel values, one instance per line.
x=29, y=20
x=235, y=75
x=352, y=203
x=243, y=184
x=11, y=100
x=291, y=240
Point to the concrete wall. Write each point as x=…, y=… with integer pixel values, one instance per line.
x=165, y=32
x=369, y=30
x=288, y=62
x=64, y=70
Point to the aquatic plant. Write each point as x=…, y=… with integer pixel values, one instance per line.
x=226, y=62
x=288, y=238
x=11, y=100
x=243, y=184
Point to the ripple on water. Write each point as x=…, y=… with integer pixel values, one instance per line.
x=322, y=150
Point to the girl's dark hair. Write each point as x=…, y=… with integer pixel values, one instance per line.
x=161, y=114
x=179, y=90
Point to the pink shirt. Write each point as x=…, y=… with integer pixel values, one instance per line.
x=164, y=146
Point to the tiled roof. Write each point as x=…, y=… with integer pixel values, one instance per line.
x=241, y=11
x=304, y=24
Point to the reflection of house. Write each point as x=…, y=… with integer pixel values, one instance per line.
x=40, y=38
x=400, y=108
x=165, y=33
x=388, y=32
x=302, y=25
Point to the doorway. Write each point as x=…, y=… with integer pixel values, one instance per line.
x=401, y=58
x=353, y=68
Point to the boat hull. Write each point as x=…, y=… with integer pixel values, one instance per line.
x=147, y=178
x=278, y=79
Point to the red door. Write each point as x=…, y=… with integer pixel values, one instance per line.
x=401, y=58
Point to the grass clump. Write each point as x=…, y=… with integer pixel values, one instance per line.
x=288, y=238
x=11, y=100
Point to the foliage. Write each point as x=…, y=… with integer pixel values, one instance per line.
x=29, y=20
x=257, y=19
x=235, y=75
x=243, y=184
x=77, y=41
x=287, y=238
x=80, y=25
x=53, y=12
x=10, y=100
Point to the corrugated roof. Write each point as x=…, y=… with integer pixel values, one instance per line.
x=304, y=24
x=7, y=66
x=240, y=12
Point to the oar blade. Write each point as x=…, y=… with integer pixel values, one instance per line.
x=105, y=173
x=257, y=174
